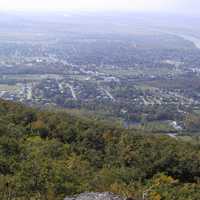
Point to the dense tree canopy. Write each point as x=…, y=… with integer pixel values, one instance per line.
x=52, y=154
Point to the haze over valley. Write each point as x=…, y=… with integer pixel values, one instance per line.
x=121, y=65
x=99, y=99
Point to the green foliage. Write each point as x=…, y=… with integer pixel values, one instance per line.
x=49, y=155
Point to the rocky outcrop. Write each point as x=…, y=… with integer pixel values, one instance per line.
x=95, y=196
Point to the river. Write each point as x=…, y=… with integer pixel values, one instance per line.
x=186, y=36
x=193, y=39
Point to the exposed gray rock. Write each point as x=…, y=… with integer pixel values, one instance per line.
x=95, y=196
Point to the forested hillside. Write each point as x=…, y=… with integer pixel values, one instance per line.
x=49, y=155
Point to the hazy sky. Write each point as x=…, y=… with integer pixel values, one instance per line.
x=187, y=6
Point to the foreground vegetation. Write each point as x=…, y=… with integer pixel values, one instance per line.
x=49, y=155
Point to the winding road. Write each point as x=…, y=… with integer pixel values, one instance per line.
x=108, y=94
x=72, y=91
